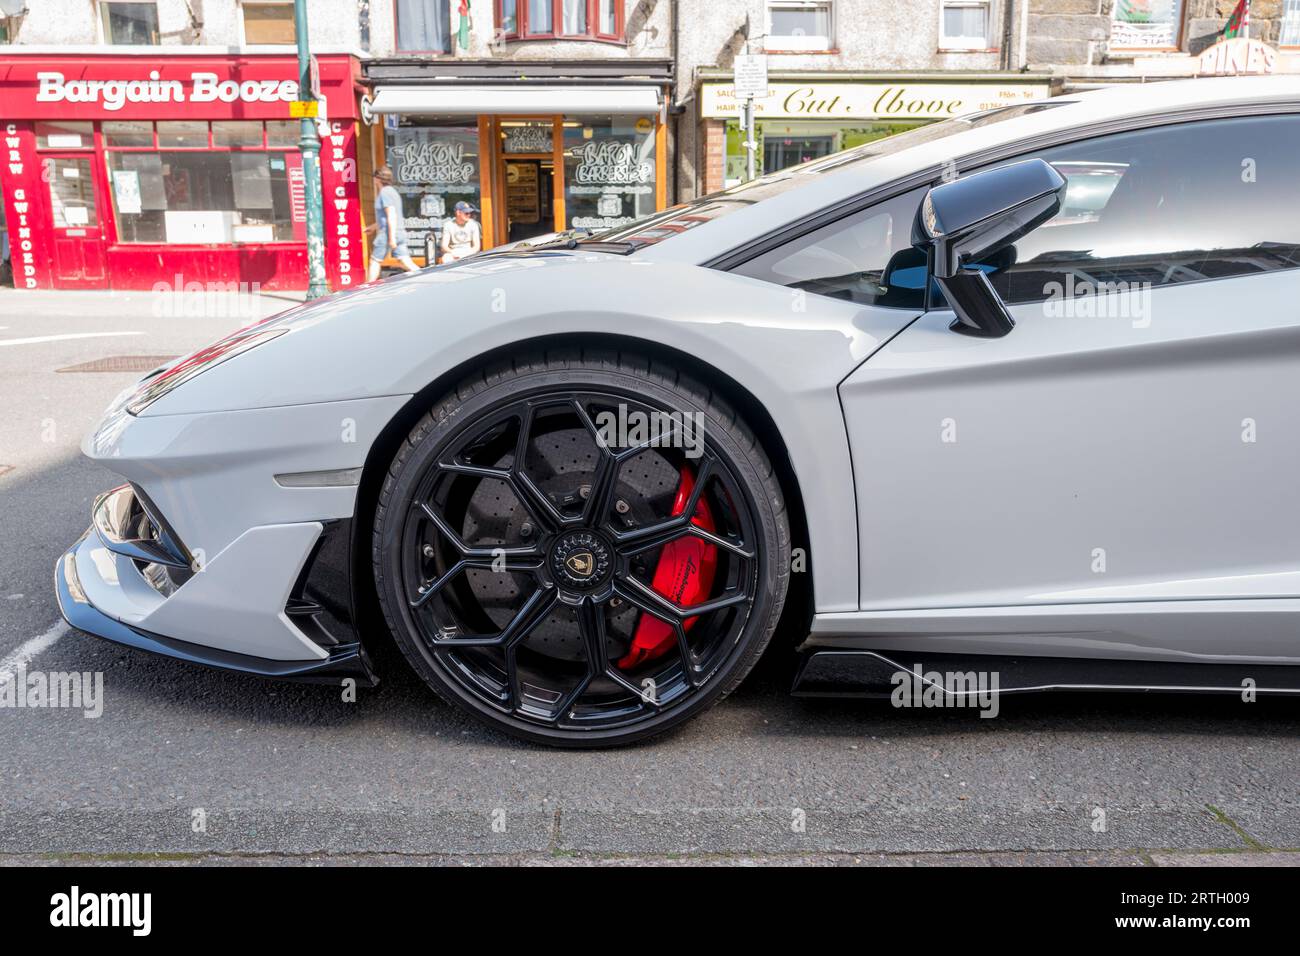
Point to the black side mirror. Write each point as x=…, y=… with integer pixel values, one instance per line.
x=965, y=220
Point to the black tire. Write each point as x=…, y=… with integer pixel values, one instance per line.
x=424, y=519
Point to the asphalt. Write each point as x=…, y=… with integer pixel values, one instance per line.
x=187, y=764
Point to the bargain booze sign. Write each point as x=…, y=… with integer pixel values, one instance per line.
x=37, y=88
x=165, y=87
x=113, y=95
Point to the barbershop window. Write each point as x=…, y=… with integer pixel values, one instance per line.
x=435, y=164
x=609, y=171
x=205, y=183
x=129, y=24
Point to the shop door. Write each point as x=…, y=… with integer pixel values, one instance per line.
x=75, y=213
x=530, y=168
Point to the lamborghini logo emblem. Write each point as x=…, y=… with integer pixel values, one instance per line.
x=581, y=563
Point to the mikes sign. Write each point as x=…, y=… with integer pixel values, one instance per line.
x=113, y=94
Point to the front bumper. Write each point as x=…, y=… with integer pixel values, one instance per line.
x=218, y=551
x=129, y=577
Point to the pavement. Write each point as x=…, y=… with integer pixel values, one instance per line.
x=190, y=765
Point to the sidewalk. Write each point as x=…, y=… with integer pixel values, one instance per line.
x=47, y=303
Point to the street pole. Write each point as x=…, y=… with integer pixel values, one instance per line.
x=309, y=145
x=751, y=140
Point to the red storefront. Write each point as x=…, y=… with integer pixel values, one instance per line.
x=131, y=172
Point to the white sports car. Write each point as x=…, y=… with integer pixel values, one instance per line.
x=1013, y=392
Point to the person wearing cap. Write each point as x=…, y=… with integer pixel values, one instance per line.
x=388, y=229
x=461, y=236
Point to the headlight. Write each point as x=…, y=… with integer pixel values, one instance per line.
x=149, y=390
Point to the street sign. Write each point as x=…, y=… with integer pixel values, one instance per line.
x=303, y=109
x=751, y=74
x=314, y=73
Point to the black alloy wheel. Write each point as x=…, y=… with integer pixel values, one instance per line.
x=581, y=552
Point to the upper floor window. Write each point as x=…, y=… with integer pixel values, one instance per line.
x=578, y=19
x=423, y=26
x=798, y=25
x=1290, y=35
x=129, y=24
x=965, y=25
x=1146, y=24
x=268, y=22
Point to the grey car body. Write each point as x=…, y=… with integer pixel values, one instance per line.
x=1089, y=487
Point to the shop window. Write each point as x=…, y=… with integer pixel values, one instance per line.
x=237, y=133
x=183, y=134
x=283, y=133
x=72, y=193
x=786, y=143
x=799, y=25
x=609, y=171
x=244, y=194
x=576, y=19
x=965, y=25
x=128, y=133
x=1290, y=35
x=63, y=134
x=267, y=22
x=129, y=24
x=435, y=165
x=423, y=26
x=1145, y=24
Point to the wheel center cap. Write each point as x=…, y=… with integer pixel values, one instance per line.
x=581, y=560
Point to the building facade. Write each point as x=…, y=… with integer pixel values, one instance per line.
x=152, y=145
x=544, y=115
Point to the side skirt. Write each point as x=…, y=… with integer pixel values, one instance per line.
x=875, y=674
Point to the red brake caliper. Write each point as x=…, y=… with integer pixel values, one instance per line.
x=684, y=576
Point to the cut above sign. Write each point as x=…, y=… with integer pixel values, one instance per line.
x=869, y=101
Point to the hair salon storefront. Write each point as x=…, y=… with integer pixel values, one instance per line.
x=570, y=146
x=131, y=171
x=804, y=116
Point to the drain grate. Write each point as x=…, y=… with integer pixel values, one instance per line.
x=121, y=363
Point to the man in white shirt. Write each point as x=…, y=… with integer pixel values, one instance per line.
x=461, y=236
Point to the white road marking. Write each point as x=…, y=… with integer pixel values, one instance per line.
x=23, y=656
x=35, y=340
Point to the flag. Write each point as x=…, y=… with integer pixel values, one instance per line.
x=1239, y=22
x=462, y=33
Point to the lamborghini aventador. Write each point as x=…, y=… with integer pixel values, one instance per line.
x=1013, y=392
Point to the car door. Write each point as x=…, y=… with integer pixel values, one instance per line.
x=1130, y=450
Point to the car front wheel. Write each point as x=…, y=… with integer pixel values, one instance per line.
x=581, y=549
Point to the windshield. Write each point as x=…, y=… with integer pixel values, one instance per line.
x=678, y=219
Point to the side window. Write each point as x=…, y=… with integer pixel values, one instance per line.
x=1202, y=200
x=865, y=258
